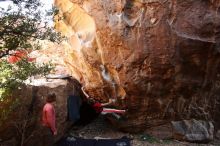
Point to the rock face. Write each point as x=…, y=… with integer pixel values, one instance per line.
x=24, y=122
x=162, y=56
x=193, y=130
x=218, y=134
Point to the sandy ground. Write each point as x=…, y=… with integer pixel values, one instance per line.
x=99, y=128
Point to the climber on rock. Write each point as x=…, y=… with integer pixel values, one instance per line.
x=111, y=101
x=101, y=107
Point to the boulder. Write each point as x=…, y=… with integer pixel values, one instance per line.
x=193, y=130
x=161, y=57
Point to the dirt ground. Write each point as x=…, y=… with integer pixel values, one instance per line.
x=99, y=128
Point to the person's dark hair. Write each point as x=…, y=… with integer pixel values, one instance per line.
x=51, y=97
x=91, y=101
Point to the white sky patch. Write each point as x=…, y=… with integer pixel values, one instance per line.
x=46, y=6
x=6, y=4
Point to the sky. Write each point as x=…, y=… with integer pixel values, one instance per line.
x=5, y=4
x=47, y=5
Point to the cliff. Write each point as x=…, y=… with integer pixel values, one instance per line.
x=159, y=58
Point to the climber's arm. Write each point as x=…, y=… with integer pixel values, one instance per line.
x=83, y=90
x=111, y=101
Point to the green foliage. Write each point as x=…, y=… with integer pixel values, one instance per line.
x=21, y=29
x=13, y=74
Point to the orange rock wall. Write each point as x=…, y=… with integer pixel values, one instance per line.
x=162, y=56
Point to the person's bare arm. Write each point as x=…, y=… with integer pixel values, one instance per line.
x=84, y=92
x=111, y=101
x=105, y=104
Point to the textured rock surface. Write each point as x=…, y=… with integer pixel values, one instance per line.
x=193, y=130
x=31, y=103
x=218, y=134
x=163, y=55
